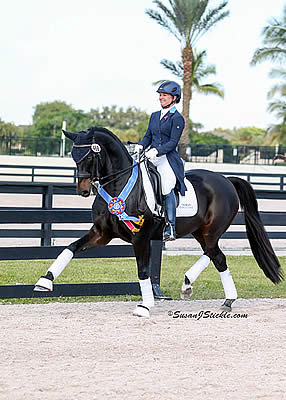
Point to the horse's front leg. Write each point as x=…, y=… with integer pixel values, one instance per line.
x=95, y=237
x=142, y=253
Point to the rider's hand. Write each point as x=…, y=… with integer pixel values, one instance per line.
x=138, y=148
x=151, y=154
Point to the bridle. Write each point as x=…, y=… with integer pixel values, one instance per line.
x=93, y=176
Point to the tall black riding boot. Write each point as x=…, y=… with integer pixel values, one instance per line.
x=170, y=229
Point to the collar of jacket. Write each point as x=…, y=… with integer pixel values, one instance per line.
x=164, y=112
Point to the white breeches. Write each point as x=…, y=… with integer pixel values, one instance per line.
x=168, y=178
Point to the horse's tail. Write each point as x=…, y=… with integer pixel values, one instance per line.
x=257, y=236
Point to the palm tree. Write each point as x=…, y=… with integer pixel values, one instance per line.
x=188, y=21
x=280, y=88
x=274, y=42
x=200, y=71
x=274, y=49
x=277, y=132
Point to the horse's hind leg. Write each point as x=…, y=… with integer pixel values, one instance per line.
x=211, y=253
x=92, y=239
x=219, y=260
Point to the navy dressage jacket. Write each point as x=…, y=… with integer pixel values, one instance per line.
x=164, y=136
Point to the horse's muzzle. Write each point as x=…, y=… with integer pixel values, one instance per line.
x=84, y=193
x=84, y=188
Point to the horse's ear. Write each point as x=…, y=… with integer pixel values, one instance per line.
x=70, y=135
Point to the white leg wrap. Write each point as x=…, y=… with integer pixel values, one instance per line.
x=60, y=263
x=147, y=293
x=228, y=285
x=195, y=270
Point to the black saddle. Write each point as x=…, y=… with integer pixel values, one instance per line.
x=155, y=179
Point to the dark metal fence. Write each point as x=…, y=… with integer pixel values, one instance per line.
x=33, y=146
x=233, y=154
x=212, y=153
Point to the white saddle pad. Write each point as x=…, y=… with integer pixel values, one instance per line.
x=188, y=206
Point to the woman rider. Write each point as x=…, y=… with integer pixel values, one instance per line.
x=163, y=134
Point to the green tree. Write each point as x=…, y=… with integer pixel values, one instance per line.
x=48, y=119
x=8, y=132
x=7, y=128
x=129, y=124
x=248, y=135
x=47, y=125
x=188, y=21
x=208, y=138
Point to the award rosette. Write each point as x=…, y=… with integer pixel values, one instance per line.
x=116, y=206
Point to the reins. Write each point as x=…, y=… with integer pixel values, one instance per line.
x=119, y=172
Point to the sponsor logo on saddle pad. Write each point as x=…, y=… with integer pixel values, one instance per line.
x=188, y=206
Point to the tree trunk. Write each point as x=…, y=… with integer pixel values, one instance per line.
x=187, y=58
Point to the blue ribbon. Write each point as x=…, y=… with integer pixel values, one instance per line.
x=116, y=205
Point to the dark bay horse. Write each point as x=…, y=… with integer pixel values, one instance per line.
x=120, y=210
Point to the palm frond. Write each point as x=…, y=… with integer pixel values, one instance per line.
x=200, y=72
x=274, y=42
x=276, y=134
x=279, y=89
x=175, y=68
x=184, y=18
x=212, y=17
x=165, y=22
x=278, y=73
x=278, y=108
x=159, y=82
x=268, y=53
x=211, y=88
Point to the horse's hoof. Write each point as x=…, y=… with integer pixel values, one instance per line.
x=43, y=285
x=186, y=291
x=141, y=311
x=226, y=306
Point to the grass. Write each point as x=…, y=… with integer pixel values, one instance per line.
x=248, y=277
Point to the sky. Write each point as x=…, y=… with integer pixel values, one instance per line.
x=93, y=53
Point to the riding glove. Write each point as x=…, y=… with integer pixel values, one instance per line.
x=138, y=148
x=151, y=154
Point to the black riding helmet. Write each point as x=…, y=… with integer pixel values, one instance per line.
x=171, y=88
